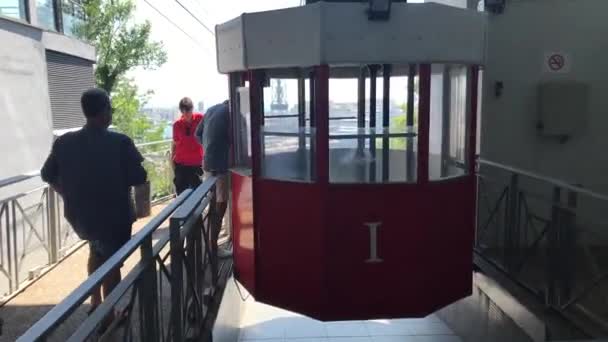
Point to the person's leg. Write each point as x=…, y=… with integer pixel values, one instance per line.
x=180, y=179
x=221, y=205
x=93, y=264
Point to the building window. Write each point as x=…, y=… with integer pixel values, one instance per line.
x=45, y=12
x=73, y=16
x=13, y=8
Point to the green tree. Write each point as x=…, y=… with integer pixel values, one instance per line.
x=128, y=117
x=121, y=43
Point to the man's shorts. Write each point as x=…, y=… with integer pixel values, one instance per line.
x=104, y=249
x=221, y=185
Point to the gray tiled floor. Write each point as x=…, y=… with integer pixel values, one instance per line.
x=263, y=323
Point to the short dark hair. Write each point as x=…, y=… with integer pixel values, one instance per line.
x=95, y=102
x=186, y=105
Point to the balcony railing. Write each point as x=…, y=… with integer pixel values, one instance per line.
x=165, y=293
x=547, y=235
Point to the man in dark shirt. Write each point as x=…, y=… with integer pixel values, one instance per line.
x=93, y=169
x=214, y=134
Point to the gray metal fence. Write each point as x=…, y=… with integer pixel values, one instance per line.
x=166, y=293
x=33, y=234
x=547, y=235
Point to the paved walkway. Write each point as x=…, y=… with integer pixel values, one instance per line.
x=29, y=306
x=264, y=323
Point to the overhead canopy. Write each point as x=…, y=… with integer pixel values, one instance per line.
x=340, y=34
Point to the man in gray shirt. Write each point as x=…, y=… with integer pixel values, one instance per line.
x=214, y=134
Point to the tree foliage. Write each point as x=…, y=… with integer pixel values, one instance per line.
x=128, y=117
x=121, y=43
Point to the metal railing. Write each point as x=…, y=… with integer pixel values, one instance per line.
x=165, y=294
x=158, y=164
x=33, y=232
x=547, y=235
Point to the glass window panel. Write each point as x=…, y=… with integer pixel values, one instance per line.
x=448, y=125
x=13, y=9
x=287, y=148
x=45, y=13
x=73, y=16
x=366, y=154
x=242, y=129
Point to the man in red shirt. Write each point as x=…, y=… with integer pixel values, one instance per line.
x=187, y=151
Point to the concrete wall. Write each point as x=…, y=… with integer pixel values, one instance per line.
x=26, y=131
x=25, y=114
x=517, y=43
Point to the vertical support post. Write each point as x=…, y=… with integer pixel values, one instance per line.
x=567, y=251
x=322, y=122
x=552, y=256
x=177, y=281
x=386, y=110
x=373, y=74
x=15, y=252
x=148, y=300
x=58, y=15
x=424, y=109
x=361, y=109
x=511, y=232
x=302, y=160
x=446, y=120
x=257, y=105
x=411, y=156
x=471, y=147
x=313, y=124
x=9, y=254
x=301, y=111
x=53, y=225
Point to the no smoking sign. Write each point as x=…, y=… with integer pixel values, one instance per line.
x=556, y=62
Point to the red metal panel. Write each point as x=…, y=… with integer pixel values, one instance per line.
x=290, y=246
x=424, y=241
x=243, y=231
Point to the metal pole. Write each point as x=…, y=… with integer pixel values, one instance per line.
x=446, y=124
x=301, y=111
x=148, y=300
x=177, y=278
x=15, y=252
x=411, y=157
x=373, y=74
x=361, y=109
x=424, y=108
x=552, y=257
x=511, y=230
x=386, y=102
x=54, y=239
x=568, y=238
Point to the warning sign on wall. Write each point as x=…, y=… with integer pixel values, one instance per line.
x=557, y=62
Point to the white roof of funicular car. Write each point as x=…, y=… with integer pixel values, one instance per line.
x=341, y=34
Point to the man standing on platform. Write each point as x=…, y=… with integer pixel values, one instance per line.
x=214, y=133
x=187, y=152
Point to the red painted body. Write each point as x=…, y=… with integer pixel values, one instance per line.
x=303, y=246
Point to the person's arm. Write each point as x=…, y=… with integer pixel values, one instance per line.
x=177, y=135
x=132, y=159
x=199, y=131
x=50, y=170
